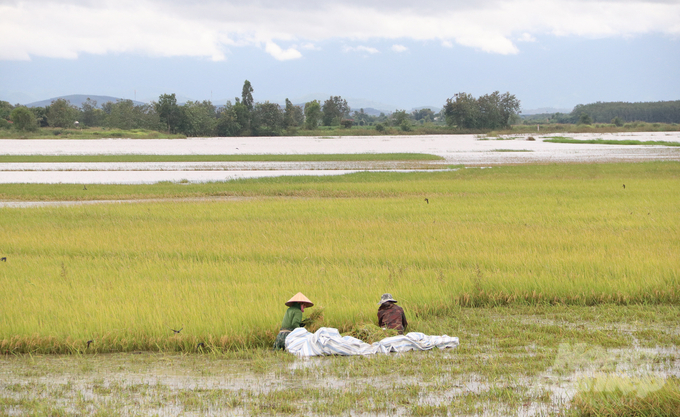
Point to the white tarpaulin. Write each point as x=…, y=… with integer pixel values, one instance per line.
x=327, y=341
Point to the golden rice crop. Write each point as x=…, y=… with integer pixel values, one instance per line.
x=126, y=275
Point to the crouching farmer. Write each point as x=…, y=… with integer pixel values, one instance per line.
x=390, y=315
x=292, y=319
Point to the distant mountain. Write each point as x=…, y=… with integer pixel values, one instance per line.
x=545, y=110
x=78, y=99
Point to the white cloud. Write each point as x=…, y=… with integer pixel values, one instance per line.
x=399, y=48
x=360, y=48
x=278, y=53
x=310, y=47
x=67, y=28
x=526, y=37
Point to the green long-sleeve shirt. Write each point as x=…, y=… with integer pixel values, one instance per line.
x=293, y=318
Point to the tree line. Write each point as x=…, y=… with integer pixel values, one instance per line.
x=616, y=113
x=245, y=117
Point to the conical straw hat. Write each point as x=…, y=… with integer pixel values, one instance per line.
x=299, y=298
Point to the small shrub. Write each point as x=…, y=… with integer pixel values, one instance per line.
x=23, y=119
x=346, y=123
x=585, y=119
x=380, y=127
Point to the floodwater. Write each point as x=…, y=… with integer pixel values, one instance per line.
x=177, y=384
x=468, y=150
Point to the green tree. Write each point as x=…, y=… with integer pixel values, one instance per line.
x=61, y=114
x=650, y=112
x=40, y=114
x=121, y=115
x=247, y=95
x=617, y=121
x=463, y=112
x=497, y=110
x=425, y=115
x=509, y=108
x=23, y=119
x=5, y=109
x=362, y=118
x=267, y=119
x=399, y=117
x=490, y=111
x=228, y=124
x=293, y=116
x=312, y=114
x=585, y=119
x=124, y=114
x=200, y=119
x=491, y=116
x=243, y=117
x=169, y=112
x=90, y=114
x=334, y=110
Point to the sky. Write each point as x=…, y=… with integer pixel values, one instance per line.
x=387, y=54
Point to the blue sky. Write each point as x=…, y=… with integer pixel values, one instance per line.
x=549, y=53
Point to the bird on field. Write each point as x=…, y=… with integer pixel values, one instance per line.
x=84, y=187
x=3, y=259
x=427, y=201
x=624, y=186
x=88, y=343
x=177, y=331
x=200, y=345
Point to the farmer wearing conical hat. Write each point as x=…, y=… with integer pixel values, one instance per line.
x=390, y=315
x=292, y=319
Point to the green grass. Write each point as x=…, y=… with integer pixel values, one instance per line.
x=559, y=139
x=86, y=133
x=611, y=396
x=124, y=274
x=222, y=158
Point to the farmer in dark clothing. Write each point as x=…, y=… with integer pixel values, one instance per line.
x=292, y=319
x=390, y=315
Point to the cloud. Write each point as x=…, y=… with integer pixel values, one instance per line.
x=278, y=53
x=526, y=37
x=360, y=48
x=310, y=47
x=399, y=48
x=67, y=28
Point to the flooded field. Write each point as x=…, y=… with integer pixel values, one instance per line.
x=526, y=360
x=490, y=373
x=468, y=150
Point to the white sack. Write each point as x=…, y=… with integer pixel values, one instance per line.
x=327, y=341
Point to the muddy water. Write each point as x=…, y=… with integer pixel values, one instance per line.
x=469, y=150
x=173, y=384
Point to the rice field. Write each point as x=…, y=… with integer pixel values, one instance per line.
x=125, y=275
